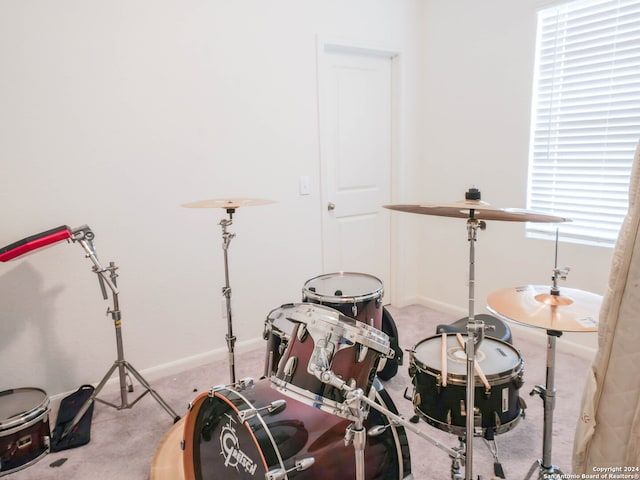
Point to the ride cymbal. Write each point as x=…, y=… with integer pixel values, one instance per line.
x=228, y=203
x=533, y=305
x=481, y=211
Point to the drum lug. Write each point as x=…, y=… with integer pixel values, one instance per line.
x=280, y=473
x=361, y=352
x=354, y=310
x=266, y=331
x=518, y=382
x=381, y=364
x=290, y=367
x=417, y=399
x=496, y=421
x=406, y=395
x=302, y=332
x=351, y=383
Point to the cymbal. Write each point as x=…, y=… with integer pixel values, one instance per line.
x=481, y=211
x=228, y=203
x=533, y=305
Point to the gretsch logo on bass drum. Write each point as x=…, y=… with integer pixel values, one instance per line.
x=233, y=456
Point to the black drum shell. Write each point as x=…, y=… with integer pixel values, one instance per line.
x=445, y=407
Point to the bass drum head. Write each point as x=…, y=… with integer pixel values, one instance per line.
x=219, y=445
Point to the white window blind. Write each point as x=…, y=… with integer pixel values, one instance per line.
x=586, y=117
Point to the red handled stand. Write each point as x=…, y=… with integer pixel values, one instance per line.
x=106, y=276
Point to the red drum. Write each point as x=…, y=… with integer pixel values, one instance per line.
x=277, y=332
x=325, y=342
x=233, y=434
x=356, y=295
x=24, y=428
x=444, y=407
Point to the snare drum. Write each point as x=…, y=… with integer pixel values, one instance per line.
x=219, y=444
x=324, y=341
x=24, y=428
x=444, y=407
x=356, y=295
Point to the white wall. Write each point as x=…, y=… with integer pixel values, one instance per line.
x=113, y=114
x=475, y=82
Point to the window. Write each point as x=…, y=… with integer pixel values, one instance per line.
x=586, y=117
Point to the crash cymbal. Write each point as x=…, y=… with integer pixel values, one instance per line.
x=228, y=203
x=481, y=211
x=533, y=305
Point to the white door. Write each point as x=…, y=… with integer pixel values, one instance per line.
x=355, y=109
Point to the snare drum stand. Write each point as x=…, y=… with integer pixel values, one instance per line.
x=226, y=291
x=84, y=236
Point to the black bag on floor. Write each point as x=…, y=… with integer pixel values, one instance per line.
x=69, y=407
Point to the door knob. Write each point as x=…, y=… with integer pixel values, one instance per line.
x=331, y=206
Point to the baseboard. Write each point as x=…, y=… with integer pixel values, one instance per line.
x=178, y=366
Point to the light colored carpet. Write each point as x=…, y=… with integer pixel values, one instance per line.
x=123, y=443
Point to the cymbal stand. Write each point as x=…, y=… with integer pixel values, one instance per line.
x=226, y=291
x=548, y=392
x=475, y=334
x=84, y=236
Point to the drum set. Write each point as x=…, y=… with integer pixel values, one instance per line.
x=320, y=410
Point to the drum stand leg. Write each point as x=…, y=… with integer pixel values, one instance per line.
x=85, y=236
x=548, y=394
x=458, y=461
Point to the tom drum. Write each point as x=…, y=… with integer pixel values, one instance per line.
x=24, y=428
x=325, y=343
x=356, y=295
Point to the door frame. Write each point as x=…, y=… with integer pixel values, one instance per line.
x=327, y=45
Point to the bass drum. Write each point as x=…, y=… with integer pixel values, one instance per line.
x=218, y=444
x=24, y=428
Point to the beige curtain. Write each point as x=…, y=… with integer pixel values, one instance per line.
x=608, y=432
